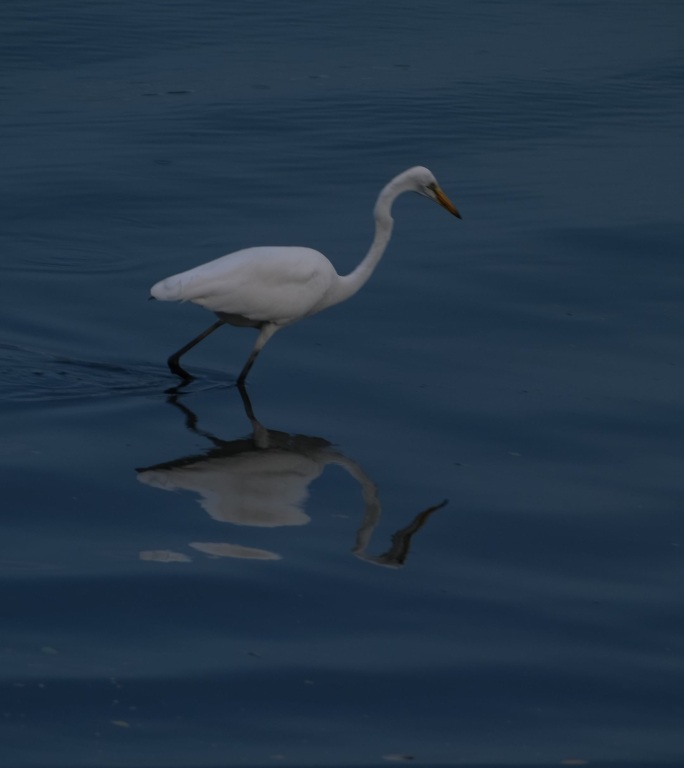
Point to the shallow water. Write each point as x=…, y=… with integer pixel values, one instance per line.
x=183, y=585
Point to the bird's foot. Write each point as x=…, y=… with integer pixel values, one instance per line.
x=175, y=367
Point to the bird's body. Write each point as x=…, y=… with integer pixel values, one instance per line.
x=270, y=287
x=292, y=282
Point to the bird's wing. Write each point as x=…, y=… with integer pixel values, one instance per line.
x=275, y=284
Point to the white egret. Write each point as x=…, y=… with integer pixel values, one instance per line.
x=271, y=287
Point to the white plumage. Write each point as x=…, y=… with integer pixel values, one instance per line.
x=291, y=283
x=270, y=287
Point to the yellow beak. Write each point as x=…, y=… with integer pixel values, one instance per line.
x=444, y=201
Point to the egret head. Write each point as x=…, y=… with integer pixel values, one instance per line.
x=426, y=185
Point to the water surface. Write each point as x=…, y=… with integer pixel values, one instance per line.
x=185, y=585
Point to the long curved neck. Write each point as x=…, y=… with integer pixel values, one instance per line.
x=348, y=285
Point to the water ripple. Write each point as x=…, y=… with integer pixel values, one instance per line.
x=38, y=377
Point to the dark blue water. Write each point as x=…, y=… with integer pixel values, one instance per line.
x=183, y=586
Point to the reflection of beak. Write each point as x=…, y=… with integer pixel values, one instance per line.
x=444, y=201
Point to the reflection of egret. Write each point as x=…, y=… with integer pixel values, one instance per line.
x=270, y=287
x=264, y=481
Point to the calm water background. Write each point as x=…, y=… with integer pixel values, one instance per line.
x=527, y=364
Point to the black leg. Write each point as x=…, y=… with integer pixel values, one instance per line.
x=247, y=366
x=174, y=365
x=246, y=402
